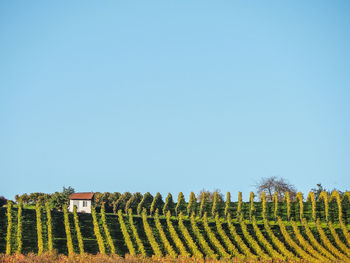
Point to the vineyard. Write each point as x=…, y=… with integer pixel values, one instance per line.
x=311, y=230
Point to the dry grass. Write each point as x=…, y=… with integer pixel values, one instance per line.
x=99, y=258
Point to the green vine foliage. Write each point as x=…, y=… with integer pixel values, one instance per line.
x=168, y=248
x=335, y=196
x=203, y=205
x=39, y=228
x=156, y=249
x=181, y=204
x=68, y=233
x=77, y=228
x=324, y=197
x=227, y=204
x=169, y=205
x=213, y=240
x=141, y=248
x=215, y=210
x=178, y=243
x=192, y=204
x=49, y=226
x=252, y=242
x=145, y=203
x=243, y=247
x=191, y=244
x=252, y=206
x=228, y=243
x=126, y=235
x=9, y=228
x=157, y=203
x=275, y=205
x=105, y=228
x=201, y=240
x=266, y=244
x=287, y=200
x=239, y=207
x=299, y=198
x=19, y=228
x=263, y=204
x=311, y=198
x=97, y=232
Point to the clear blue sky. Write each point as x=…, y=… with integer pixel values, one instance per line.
x=173, y=96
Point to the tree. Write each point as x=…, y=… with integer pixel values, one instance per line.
x=272, y=184
x=209, y=195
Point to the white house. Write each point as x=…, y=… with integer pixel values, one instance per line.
x=83, y=202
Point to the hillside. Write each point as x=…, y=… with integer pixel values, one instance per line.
x=254, y=233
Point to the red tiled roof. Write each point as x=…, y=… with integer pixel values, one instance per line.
x=85, y=196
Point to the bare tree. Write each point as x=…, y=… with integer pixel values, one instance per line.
x=209, y=195
x=272, y=184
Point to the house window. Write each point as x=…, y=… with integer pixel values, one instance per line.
x=84, y=203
